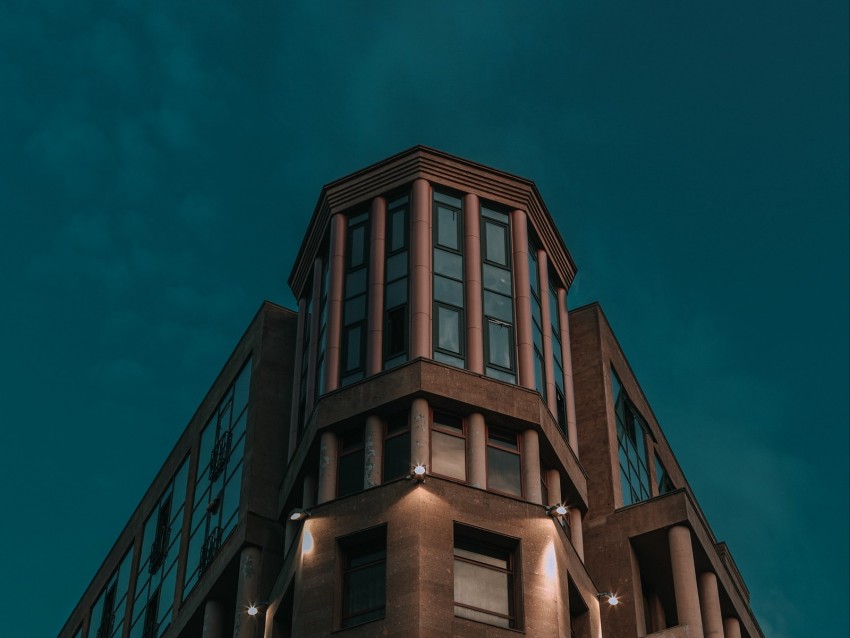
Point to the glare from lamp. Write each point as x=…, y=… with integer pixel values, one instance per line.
x=557, y=510
x=418, y=473
x=611, y=599
x=252, y=610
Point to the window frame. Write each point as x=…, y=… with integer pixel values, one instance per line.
x=390, y=434
x=439, y=200
x=346, y=547
x=517, y=452
x=449, y=431
x=358, y=448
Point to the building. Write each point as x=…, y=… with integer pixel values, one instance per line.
x=430, y=446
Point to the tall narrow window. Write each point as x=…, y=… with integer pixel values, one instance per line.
x=397, y=447
x=662, y=477
x=504, y=466
x=352, y=462
x=499, y=349
x=396, y=285
x=536, y=320
x=557, y=353
x=305, y=367
x=364, y=577
x=353, y=356
x=107, y=615
x=485, y=578
x=631, y=446
x=323, y=324
x=448, y=446
x=449, y=325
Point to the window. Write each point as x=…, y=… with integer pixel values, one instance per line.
x=107, y=615
x=631, y=446
x=352, y=462
x=557, y=354
x=485, y=587
x=353, y=356
x=504, y=467
x=664, y=482
x=364, y=576
x=498, y=296
x=323, y=324
x=448, y=446
x=395, y=289
x=397, y=447
x=449, y=325
x=536, y=320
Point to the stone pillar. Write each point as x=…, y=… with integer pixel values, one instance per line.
x=685, y=579
x=375, y=334
x=296, y=378
x=373, y=442
x=477, y=436
x=420, y=434
x=420, y=270
x=546, y=317
x=553, y=483
x=213, y=620
x=328, y=457
x=531, y=466
x=731, y=627
x=247, y=593
x=472, y=283
x=709, y=604
x=522, y=299
x=566, y=355
x=576, y=532
x=333, y=334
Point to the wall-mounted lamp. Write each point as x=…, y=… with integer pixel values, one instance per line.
x=299, y=514
x=254, y=608
x=418, y=473
x=611, y=599
x=557, y=510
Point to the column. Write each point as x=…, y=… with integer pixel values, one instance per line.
x=522, y=298
x=477, y=437
x=709, y=604
x=685, y=579
x=315, y=318
x=731, y=627
x=296, y=380
x=531, y=466
x=420, y=434
x=553, y=483
x=576, y=532
x=247, y=593
x=472, y=283
x=328, y=453
x=213, y=620
x=566, y=355
x=375, y=334
x=333, y=334
x=420, y=267
x=373, y=442
x=546, y=317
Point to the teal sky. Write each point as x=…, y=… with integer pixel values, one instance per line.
x=159, y=162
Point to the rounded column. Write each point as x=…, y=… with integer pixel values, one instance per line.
x=472, y=283
x=247, y=593
x=296, y=381
x=566, y=355
x=685, y=579
x=477, y=437
x=373, y=442
x=333, y=336
x=213, y=620
x=328, y=456
x=731, y=627
x=531, y=466
x=546, y=317
x=420, y=266
x=576, y=532
x=420, y=436
x=709, y=604
x=375, y=335
x=522, y=299
x=553, y=485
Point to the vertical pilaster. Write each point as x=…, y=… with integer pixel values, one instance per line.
x=576, y=531
x=566, y=355
x=477, y=450
x=531, y=466
x=548, y=362
x=420, y=435
x=472, y=283
x=333, y=336
x=374, y=449
x=328, y=457
x=375, y=335
x=709, y=604
x=731, y=627
x=247, y=593
x=553, y=483
x=685, y=579
x=522, y=298
x=296, y=381
x=213, y=620
x=420, y=266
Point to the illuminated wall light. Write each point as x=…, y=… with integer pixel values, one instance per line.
x=418, y=473
x=557, y=510
x=611, y=599
x=299, y=515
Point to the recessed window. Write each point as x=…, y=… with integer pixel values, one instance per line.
x=485, y=577
x=397, y=447
x=448, y=446
x=364, y=577
x=536, y=319
x=504, y=463
x=449, y=327
x=352, y=461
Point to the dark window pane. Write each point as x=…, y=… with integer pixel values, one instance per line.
x=398, y=226
x=397, y=456
x=357, y=244
x=451, y=200
x=448, y=227
x=396, y=331
x=503, y=471
x=448, y=329
x=499, y=344
x=503, y=438
x=355, y=309
x=397, y=293
x=495, y=242
x=448, y=290
x=442, y=357
x=498, y=306
x=495, y=373
x=351, y=468
x=448, y=422
x=352, y=347
x=355, y=283
x=489, y=213
x=396, y=266
x=448, y=455
x=497, y=279
x=364, y=583
x=554, y=316
x=449, y=264
x=533, y=274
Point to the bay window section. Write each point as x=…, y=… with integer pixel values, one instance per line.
x=557, y=353
x=353, y=355
x=448, y=446
x=352, y=462
x=631, y=446
x=396, y=332
x=108, y=611
x=504, y=462
x=449, y=326
x=499, y=357
x=397, y=447
x=536, y=320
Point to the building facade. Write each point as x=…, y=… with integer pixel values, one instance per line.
x=430, y=446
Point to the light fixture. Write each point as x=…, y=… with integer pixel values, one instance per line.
x=299, y=514
x=418, y=473
x=611, y=599
x=557, y=510
x=254, y=608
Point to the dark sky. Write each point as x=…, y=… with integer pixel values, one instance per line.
x=159, y=162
